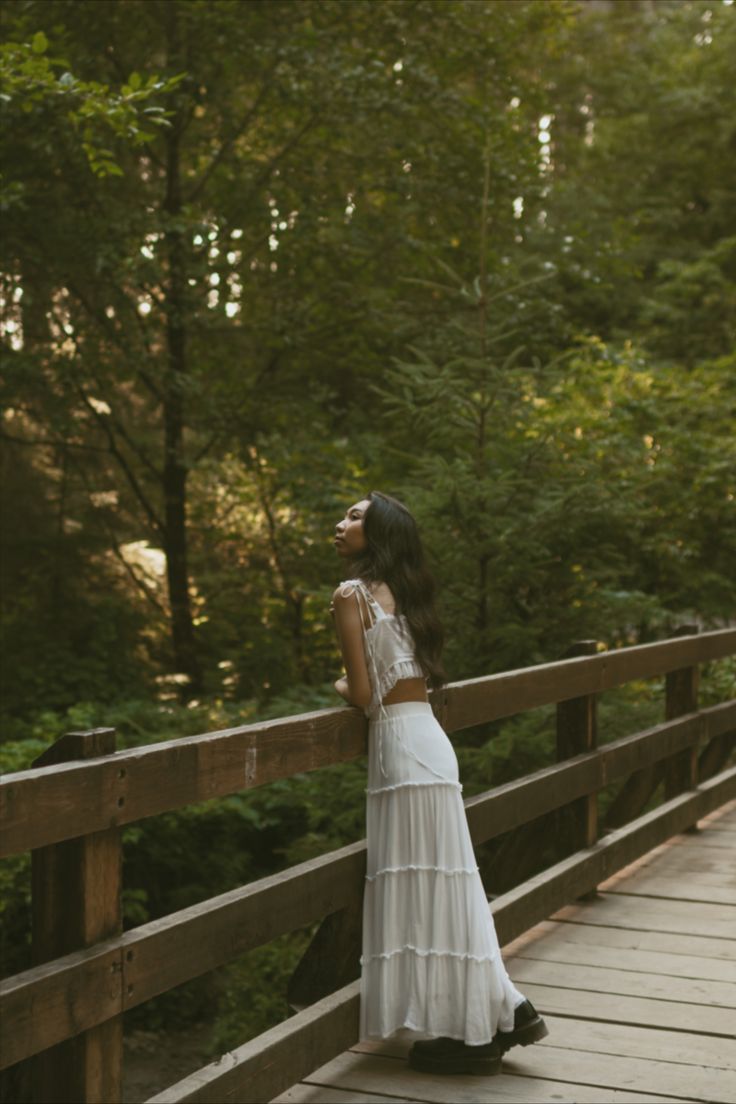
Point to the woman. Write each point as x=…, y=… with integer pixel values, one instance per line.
x=431, y=960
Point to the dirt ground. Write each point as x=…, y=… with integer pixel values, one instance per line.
x=154, y=1060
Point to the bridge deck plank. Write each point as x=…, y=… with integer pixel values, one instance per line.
x=682, y=917
x=379, y=1073
x=324, y=1094
x=638, y=987
x=563, y=946
x=693, y=889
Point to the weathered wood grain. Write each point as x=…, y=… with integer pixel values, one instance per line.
x=82, y=993
x=710, y=866
x=610, y=1007
x=304, y=1093
x=714, y=840
x=671, y=859
x=625, y=982
x=634, y=795
x=166, y=952
x=581, y=927
x=332, y=959
x=511, y=913
x=681, y=696
x=266, y=1066
x=625, y=1073
x=84, y=988
x=693, y=889
x=687, y=917
x=378, y=1074
x=591, y=952
x=577, y=733
x=48, y=1003
x=54, y=803
x=517, y=802
x=716, y=754
x=474, y=701
x=538, y=897
x=725, y=815
x=680, y=1047
x=703, y=1057
x=688, y=1048
x=76, y=902
x=47, y=805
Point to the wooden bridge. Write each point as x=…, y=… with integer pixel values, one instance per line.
x=631, y=969
x=637, y=987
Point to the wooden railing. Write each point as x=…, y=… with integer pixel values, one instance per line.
x=67, y=1009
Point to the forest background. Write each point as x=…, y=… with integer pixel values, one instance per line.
x=260, y=258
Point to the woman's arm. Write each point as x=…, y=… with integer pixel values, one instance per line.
x=356, y=686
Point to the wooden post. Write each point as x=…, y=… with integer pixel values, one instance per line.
x=332, y=959
x=715, y=755
x=681, y=696
x=515, y=856
x=577, y=732
x=633, y=797
x=76, y=901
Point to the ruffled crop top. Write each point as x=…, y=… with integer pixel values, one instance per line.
x=389, y=645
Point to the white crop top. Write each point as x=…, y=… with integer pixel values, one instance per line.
x=389, y=645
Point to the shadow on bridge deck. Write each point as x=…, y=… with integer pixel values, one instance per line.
x=638, y=989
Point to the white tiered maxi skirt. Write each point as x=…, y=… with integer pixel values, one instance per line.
x=431, y=960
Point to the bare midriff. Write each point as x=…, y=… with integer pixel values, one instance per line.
x=407, y=690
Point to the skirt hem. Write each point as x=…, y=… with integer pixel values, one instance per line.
x=410, y=1026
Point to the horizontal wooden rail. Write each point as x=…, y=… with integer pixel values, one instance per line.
x=51, y=804
x=48, y=1003
x=494, y=696
x=266, y=1066
x=515, y=803
x=255, y=1071
x=525, y=905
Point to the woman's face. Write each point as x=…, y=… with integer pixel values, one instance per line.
x=349, y=534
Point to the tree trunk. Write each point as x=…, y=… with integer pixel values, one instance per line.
x=175, y=471
x=481, y=613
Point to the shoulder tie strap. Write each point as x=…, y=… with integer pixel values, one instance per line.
x=364, y=598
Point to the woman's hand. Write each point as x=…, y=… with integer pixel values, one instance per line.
x=341, y=685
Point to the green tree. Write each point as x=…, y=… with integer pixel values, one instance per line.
x=239, y=260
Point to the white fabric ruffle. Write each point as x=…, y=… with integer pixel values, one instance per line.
x=389, y=645
x=389, y=673
x=431, y=960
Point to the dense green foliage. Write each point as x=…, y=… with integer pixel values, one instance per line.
x=259, y=258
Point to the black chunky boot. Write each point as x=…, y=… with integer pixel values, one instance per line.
x=446, y=1055
x=529, y=1027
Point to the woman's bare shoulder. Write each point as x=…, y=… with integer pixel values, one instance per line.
x=344, y=590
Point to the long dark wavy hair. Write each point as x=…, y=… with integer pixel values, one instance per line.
x=394, y=555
